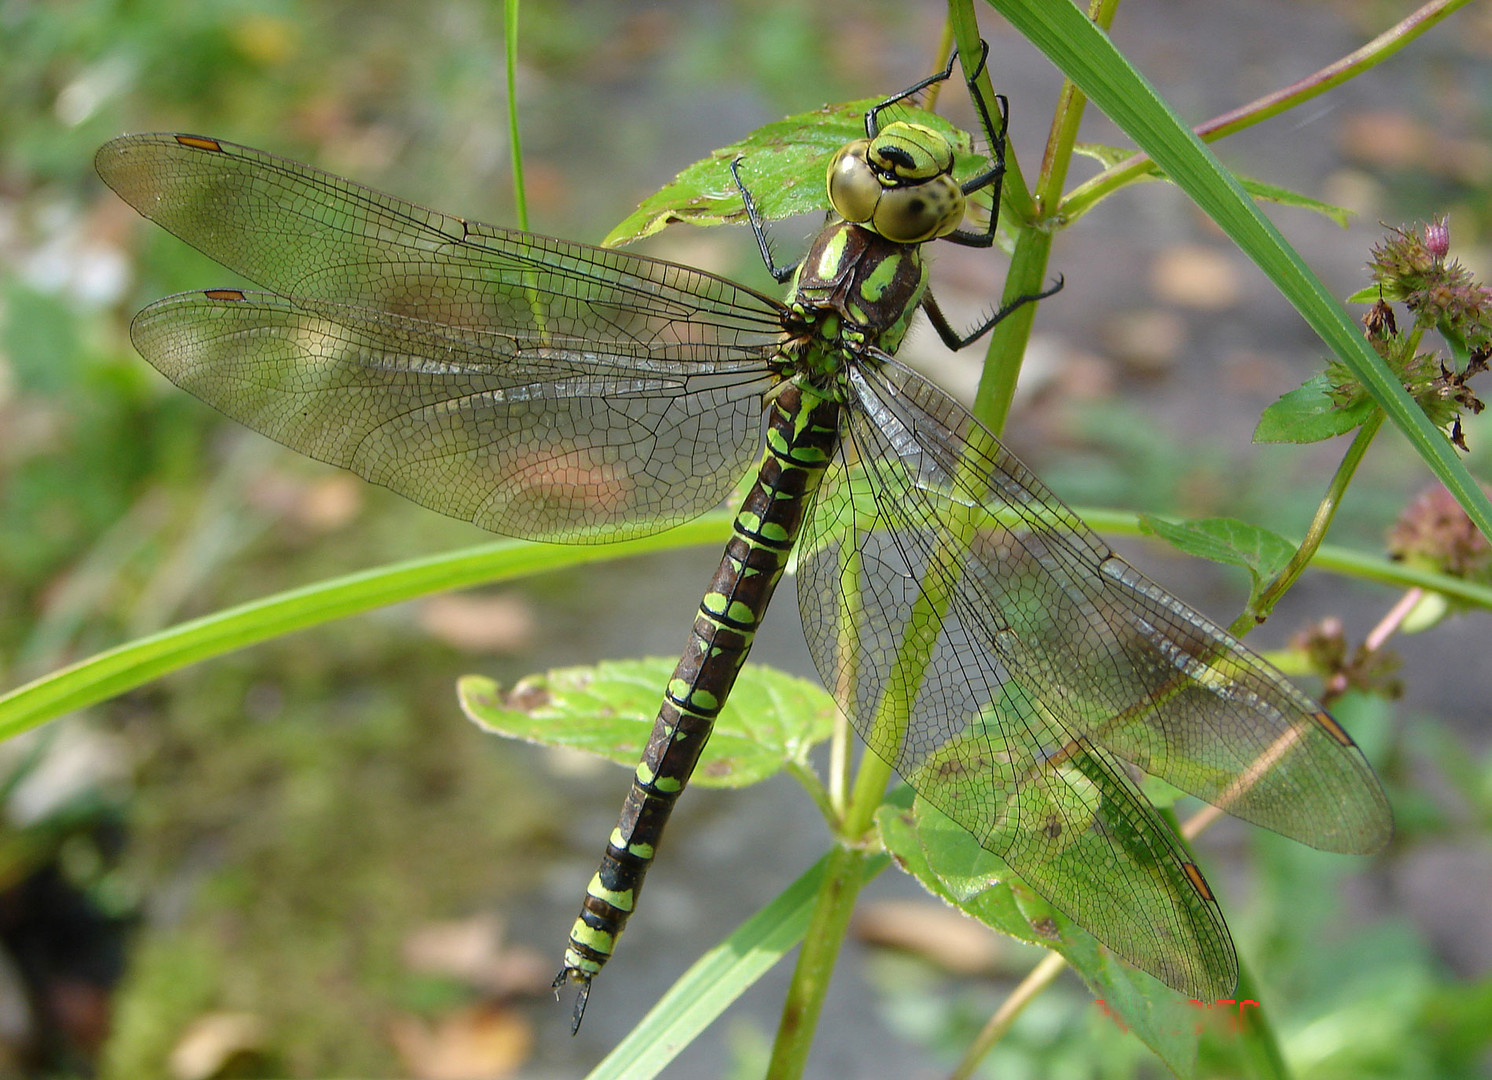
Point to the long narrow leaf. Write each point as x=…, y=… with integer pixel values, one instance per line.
x=121, y=669
x=110, y=673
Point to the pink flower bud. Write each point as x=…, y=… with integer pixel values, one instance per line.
x=1438, y=238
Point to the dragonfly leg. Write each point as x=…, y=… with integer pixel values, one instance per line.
x=873, y=114
x=780, y=274
x=993, y=133
x=993, y=177
x=954, y=340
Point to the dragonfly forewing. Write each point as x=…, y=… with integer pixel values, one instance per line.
x=301, y=232
x=539, y=388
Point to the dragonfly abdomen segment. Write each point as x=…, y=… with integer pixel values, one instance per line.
x=802, y=434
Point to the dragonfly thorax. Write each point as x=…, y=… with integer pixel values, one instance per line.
x=856, y=288
x=899, y=184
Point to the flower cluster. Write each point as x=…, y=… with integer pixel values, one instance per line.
x=1411, y=268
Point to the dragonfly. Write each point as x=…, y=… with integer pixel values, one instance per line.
x=979, y=636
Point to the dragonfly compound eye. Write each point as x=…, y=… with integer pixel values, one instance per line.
x=899, y=184
x=854, y=189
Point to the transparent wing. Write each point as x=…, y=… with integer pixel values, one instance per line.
x=557, y=443
x=541, y=388
x=987, y=644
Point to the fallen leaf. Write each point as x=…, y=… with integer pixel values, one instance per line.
x=478, y=623
x=212, y=1041
x=484, y=1042
x=941, y=935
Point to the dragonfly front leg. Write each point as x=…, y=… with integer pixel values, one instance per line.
x=780, y=274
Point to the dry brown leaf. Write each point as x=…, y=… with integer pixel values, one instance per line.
x=939, y=934
x=477, y=623
x=483, y=1042
x=1198, y=277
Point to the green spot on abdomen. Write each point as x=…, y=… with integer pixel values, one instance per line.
x=621, y=899
x=599, y=940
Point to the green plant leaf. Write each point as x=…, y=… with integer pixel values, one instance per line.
x=1112, y=156
x=1268, y=192
x=1308, y=414
x=1225, y=540
x=770, y=720
x=783, y=165
x=948, y=862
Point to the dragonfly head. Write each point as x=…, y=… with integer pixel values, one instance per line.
x=899, y=184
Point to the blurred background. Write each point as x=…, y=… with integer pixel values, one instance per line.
x=300, y=860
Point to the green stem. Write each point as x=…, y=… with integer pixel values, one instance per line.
x=1008, y=340
x=1083, y=197
x=1260, y=606
x=843, y=879
x=1015, y=197
x=844, y=875
x=510, y=58
x=1033, y=245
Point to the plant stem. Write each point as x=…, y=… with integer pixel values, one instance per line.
x=844, y=875
x=1261, y=605
x=510, y=58
x=1037, y=979
x=1083, y=197
x=1015, y=197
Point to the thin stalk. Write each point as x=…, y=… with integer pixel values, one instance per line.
x=1062, y=137
x=1083, y=197
x=1261, y=605
x=1037, y=979
x=510, y=60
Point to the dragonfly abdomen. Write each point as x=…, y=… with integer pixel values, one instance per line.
x=802, y=433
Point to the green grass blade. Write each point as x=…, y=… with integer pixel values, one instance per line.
x=123, y=668
x=515, y=144
x=1087, y=56
x=717, y=978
